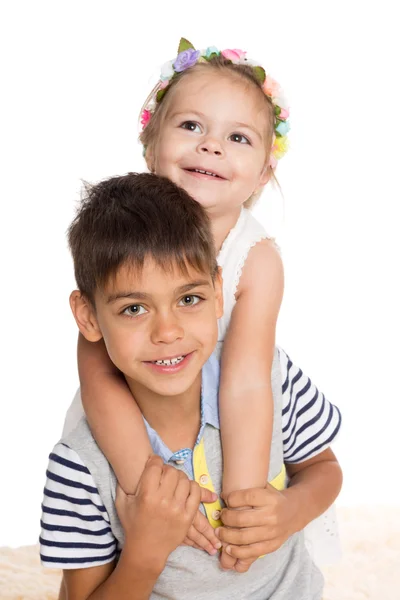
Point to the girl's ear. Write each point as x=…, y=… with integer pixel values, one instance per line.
x=265, y=175
x=219, y=297
x=85, y=316
x=149, y=158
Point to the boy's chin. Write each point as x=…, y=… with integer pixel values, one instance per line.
x=172, y=387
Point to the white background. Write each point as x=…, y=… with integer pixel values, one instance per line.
x=73, y=79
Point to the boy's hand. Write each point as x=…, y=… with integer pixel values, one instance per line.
x=158, y=516
x=262, y=529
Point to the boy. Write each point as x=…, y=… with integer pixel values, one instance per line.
x=149, y=286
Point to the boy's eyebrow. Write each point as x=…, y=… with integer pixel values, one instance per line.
x=143, y=296
x=189, y=286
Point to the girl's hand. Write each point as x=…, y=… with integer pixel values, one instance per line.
x=201, y=535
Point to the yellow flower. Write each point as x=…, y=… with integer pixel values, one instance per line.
x=280, y=147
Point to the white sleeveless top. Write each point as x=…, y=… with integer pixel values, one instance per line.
x=231, y=258
x=322, y=534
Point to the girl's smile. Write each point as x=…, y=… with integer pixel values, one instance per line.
x=213, y=141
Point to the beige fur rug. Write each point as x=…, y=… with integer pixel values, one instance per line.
x=370, y=568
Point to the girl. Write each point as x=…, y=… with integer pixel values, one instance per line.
x=215, y=124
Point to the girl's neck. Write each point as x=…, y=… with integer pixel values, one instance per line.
x=221, y=226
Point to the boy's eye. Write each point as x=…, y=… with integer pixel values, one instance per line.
x=134, y=310
x=190, y=300
x=191, y=126
x=239, y=138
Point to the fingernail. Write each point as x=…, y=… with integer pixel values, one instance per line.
x=218, y=545
x=228, y=549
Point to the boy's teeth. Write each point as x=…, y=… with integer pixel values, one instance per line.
x=205, y=172
x=169, y=361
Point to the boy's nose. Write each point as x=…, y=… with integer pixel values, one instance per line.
x=166, y=330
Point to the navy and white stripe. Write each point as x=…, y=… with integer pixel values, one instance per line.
x=75, y=528
x=309, y=422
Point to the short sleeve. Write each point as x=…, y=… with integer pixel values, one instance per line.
x=75, y=527
x=310, y=423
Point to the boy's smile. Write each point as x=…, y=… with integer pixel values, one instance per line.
x=159, y=327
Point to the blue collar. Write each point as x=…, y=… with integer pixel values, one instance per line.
x=209, y=414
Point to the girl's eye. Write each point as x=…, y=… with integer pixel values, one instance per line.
x=191, y=126
x=239, y=138
x=189, y=300
x=134, y=310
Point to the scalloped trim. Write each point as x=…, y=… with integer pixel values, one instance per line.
x=239, y=270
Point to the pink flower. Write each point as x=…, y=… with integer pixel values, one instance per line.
x=270, y=86
x=284, y=114
x=233, y=55
x=146, y=116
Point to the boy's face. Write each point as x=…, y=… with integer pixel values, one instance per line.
x=159, y=327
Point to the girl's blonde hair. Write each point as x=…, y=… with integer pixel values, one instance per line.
x=219, y=64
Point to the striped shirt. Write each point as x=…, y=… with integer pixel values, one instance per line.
x=75, y=527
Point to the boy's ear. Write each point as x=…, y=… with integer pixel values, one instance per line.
x=85, y=316
x=219, y=296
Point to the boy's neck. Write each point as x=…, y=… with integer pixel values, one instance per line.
x=176, y=419
x=221, y=224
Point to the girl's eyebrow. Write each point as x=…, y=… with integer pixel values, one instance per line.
x=188, y=112
x=247, y=126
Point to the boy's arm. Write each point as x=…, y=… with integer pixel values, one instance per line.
x=126, y=581
x=155, y=521
x=310, y=423
x=113, y=415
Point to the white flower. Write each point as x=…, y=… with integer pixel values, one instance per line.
x=167, y=70
x=281, y=100
x=249, y=61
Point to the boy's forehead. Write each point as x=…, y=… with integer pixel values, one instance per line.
x=153, y=278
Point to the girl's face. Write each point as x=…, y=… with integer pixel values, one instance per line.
x=213, y=141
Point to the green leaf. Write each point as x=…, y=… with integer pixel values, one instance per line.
x=259, y=73
x=212, y=55
x=184, y=45
x=160, y=94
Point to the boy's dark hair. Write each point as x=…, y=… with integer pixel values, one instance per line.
x=125, y=219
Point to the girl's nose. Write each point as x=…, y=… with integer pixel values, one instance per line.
x=210, y=146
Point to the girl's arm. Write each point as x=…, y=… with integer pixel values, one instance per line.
x=114, y=417
x=245, y=400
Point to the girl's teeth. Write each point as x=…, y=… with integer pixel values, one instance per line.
x=169, y=361
x=205, y=172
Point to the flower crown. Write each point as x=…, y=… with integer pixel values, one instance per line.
x=189, y=56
